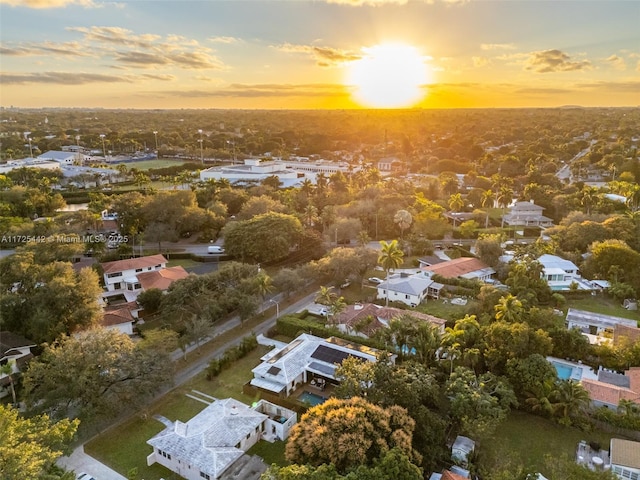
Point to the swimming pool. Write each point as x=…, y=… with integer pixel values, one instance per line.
x=567, y=372
x=311, y=398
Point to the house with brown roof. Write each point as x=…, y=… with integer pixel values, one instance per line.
x=611, y=387
x=120, y=317
x=365, y=319
x=463, y=267
x=625, y=458
x=134, y=275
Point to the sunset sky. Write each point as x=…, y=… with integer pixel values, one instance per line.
x=301, y=54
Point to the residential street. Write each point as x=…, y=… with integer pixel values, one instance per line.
x=80, y=462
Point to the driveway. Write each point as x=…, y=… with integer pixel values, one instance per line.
x=80, y=462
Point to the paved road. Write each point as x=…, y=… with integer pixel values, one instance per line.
x=79, y=461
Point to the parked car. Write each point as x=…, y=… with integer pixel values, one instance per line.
x=215, y=249
x=85, y=476
x=376, y=280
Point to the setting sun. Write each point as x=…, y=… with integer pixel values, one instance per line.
x=388, y=76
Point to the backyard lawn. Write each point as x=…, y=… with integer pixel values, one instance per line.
x=528, y=438
x=602, y=304
x=270, y=452
x=124, y=446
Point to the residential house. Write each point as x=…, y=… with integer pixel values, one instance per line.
x=625, y=458
x=389, y=164
x=120, y=317
x=611, y=387
x=454, y=473
x=597, y=324
x=366, y=319
x=625, y=334
x=16, y=350
x=134, y=275
x=527, y=214
x=409, y=289
x=563, y=275
x=307, y=358
x=208, y=445
x=464, y=267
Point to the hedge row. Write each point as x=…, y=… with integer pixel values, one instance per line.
x=217, y=365
x=292, y=326
x=465, y=283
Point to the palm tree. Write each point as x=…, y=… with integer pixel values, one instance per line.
x=508, y=309
x=310, y=216
x=426, y=342
x=390, y=258
x=569, y=399
x=505, y=195
x=263, y=286
x=403, y=219
x=326, y=296
x=455, y=204
x=488, y=198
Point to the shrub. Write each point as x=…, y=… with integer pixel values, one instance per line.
x=217, y=365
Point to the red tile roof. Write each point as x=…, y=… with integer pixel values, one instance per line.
x=133, y=263
x=457, y=267
x=117, y=316
x=161, y=279
x=612, y=394
x=447, y=475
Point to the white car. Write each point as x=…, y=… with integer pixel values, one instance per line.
x=85, y=476
x=215, y=249
x=376, y=280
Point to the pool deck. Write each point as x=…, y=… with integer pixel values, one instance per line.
x=587, y=372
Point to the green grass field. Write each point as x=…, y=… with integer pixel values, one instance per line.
x=124, y=447
x=526, y=439
x=604, y=305
x=148, y=164
x=270, y=452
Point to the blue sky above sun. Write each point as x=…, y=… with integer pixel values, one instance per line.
x=319, y=54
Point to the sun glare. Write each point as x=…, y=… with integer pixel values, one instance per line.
x=388, y=76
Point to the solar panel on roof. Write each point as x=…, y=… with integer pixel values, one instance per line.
x=273, y=371
x=330, y=355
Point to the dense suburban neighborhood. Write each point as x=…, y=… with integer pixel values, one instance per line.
x=240, y=295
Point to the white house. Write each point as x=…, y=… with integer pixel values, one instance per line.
x=132, y=276
x=625, y=458
x=120, y=318
x=596, y=323
x=16, y=350
x=212, y=441
x=305, y=359
x=527, y=214
x=463, y=267
x=411, y=290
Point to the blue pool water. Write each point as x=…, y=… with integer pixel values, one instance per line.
x=567, y=372
x=564, y=371
x=311, y=398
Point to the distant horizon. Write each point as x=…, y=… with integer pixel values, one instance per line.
x=319, y=55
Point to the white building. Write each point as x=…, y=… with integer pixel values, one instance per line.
x=29, y=163
x=596, y=323
x=211, y=442
x=411, y=290
x=527, y=214
x=16, y=350
x=63, y=158
x=625, y=458
x=306, y=358
x=290, y=173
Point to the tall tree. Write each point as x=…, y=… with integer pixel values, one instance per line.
x=349, y=433
x=30, y=446
x=390, y=258
x=93, y=374
x=403, y=219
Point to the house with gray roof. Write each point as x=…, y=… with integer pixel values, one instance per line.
x=306, y=358
x=409, y=289
x=215, y=439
